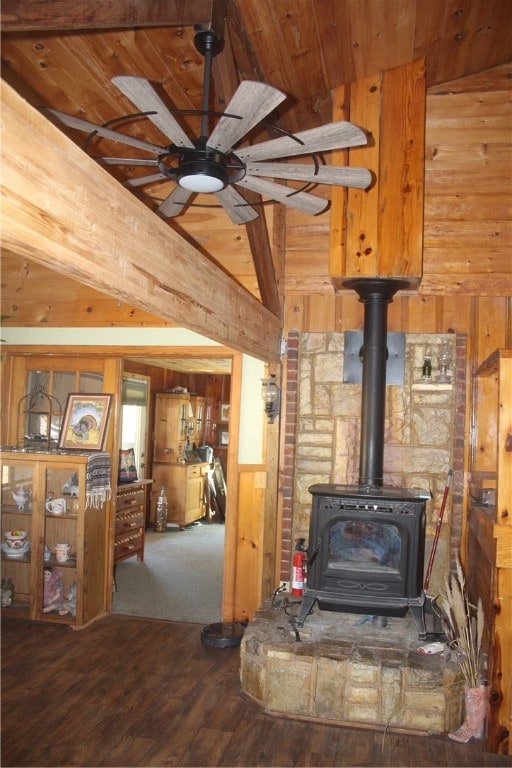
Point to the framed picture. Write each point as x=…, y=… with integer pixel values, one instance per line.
x=224, y=412
x=85, y=422
x=127, y=468
x=224, y=437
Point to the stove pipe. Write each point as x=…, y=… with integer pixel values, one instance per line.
x=375, y=294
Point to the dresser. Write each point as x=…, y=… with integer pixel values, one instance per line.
x=129, y=521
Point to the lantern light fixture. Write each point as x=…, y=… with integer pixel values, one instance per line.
x=271, y=395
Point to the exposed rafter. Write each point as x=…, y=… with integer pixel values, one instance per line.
x=36, y=15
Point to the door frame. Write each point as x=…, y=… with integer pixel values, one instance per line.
x=118, y=353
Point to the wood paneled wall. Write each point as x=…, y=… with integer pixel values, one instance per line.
x=468, y=183
x=467, y=253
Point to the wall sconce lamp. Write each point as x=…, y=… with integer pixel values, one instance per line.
x=271, y=395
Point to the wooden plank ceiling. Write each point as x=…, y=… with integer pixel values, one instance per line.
x=65, y=54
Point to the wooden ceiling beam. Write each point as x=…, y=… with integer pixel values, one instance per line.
x=227, y=80
x=37, y=15
x=62, y=210
x=259, y=243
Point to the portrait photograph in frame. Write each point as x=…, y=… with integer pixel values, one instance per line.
x=224, y=437
x=224, y=412
x=85, y=422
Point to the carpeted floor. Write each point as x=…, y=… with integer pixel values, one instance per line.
x=180, y=578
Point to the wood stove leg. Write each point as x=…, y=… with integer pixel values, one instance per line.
x=308, y=602
x=419, y=619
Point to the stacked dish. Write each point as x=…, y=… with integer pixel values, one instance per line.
x=16, y=543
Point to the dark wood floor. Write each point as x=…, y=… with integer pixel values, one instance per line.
x=131, y=692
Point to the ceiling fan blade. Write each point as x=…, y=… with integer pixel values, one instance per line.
x=343, y=176
x=141, y=180
x=302, y=201
x=252, y=101
x=128, y=160
x=236, y=206
x=143, y=95
x=173, y=204
x=330, y=136
x=84, y=125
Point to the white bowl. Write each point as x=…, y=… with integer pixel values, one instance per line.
x=10, y=552
x=15, y=539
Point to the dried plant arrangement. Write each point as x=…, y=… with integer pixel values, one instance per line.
x=464, y=626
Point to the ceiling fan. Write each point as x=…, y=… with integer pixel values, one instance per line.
x=214, y=163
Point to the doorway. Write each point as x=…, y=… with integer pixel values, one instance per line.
x=181, y=576
x=134, y=420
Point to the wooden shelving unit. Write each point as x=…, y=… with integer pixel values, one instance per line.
x=42, y=475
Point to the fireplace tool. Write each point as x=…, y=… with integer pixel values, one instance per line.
x=437, y=631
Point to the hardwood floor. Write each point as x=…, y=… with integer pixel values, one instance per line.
x=127, y=691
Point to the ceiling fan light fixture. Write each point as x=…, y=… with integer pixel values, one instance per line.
x=202, y=176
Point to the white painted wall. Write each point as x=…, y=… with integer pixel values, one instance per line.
x=250, y=447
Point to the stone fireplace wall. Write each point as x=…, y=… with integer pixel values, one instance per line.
x=424, y=435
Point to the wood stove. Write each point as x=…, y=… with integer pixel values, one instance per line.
x=366, y=551
x=366, y=542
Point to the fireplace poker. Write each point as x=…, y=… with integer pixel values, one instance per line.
x=438, y=530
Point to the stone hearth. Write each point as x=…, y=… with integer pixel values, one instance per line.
x=349, y=673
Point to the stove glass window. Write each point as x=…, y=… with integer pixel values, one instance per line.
x=364, y=545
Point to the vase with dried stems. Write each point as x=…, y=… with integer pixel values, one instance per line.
x=464, y=625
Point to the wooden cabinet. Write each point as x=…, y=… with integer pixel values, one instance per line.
x=186, y=491
x=489, y=536
x=173, y=412
x=29, y=481
x=179, y=422
x=129, y=522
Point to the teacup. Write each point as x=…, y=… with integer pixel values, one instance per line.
x=56, y=506
x=62, y=552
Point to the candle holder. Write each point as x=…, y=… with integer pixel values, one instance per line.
x=426, y=371
x=444, y=360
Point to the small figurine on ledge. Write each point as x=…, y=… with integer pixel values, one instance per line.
x=53, y=589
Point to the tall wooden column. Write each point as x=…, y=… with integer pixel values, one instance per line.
x=378, y=232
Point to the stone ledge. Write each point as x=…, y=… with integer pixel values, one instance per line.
x=350, y=673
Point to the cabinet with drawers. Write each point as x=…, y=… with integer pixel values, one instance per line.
x=129, y=522
x=186, y=486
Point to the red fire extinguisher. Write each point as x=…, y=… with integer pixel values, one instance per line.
x=298, y=568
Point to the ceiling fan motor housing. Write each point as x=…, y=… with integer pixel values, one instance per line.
x=198, y=165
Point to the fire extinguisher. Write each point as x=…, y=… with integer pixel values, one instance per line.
x=298, y=568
